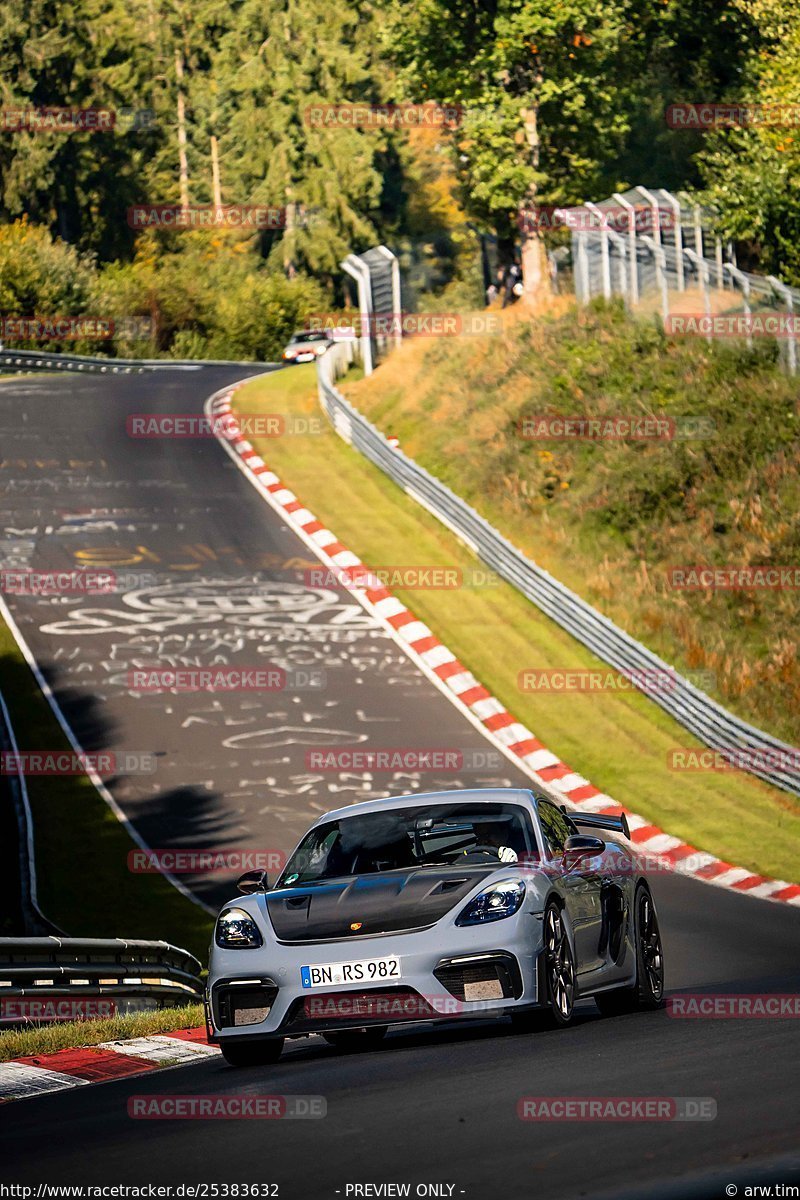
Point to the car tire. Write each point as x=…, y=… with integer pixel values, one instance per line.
x=647, y=992
x=368, y=1038
x=243, y=1053
x=558, y=965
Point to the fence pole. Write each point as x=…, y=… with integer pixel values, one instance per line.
x=359, y=271
x=675, y=204
x=632, y=261
x=741, y=279
x=605, y=265
x=397, y=303
x=585, y=290
x=791, y=343
x=703, y=276
x=718, y=261
x=661, y=273
x=618, y=241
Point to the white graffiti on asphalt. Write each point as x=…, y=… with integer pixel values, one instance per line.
x=247, y=603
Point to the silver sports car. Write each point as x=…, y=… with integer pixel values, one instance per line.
x=432, y=907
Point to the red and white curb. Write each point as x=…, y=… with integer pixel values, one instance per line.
x=482, y=709
x=33, y=1075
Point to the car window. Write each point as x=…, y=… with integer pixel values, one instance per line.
x=419, y=837
x=299, y=338
x=556, y=826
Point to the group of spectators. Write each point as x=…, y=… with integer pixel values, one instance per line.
x=507, y=283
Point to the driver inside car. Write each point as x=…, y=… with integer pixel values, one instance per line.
x=495, y=837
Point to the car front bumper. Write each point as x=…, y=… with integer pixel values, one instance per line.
x=435, y=964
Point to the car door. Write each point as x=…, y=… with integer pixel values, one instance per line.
x=581, y=888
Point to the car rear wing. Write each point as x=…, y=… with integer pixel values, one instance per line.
x=598, y=821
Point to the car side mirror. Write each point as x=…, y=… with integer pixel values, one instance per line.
x=579, y=846
x=252, y=881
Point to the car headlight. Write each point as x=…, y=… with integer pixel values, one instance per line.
x=236, y=930
x=499, y=900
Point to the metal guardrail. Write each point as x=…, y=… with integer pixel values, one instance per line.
x=35, y=922
x=56, y=967
x=769, y=758
x=35, y=360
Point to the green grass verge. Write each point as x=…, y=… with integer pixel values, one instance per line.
x=81, y=848
x=618, y=741
x=612, y=518
x=46, y=1039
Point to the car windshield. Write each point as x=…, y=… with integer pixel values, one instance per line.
x=403, y=838
x=296, y=338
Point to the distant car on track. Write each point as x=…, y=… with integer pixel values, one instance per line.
x=306, y=346
x=487, y=902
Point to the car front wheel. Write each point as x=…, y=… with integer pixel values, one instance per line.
x=559, y=966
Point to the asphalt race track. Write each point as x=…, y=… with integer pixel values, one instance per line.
x=434, y=1106
x=210, y=577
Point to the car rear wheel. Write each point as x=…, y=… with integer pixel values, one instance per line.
x=242, y=1053
x=559, y=967
x=367, y=1038
x=648, y=990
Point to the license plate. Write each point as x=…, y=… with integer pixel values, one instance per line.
x=365, y=970
x=487, y=989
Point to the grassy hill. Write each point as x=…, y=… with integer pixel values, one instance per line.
x=614, y=518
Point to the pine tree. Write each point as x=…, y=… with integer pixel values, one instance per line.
x=278, y=61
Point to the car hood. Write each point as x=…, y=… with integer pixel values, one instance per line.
x=364, y=905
